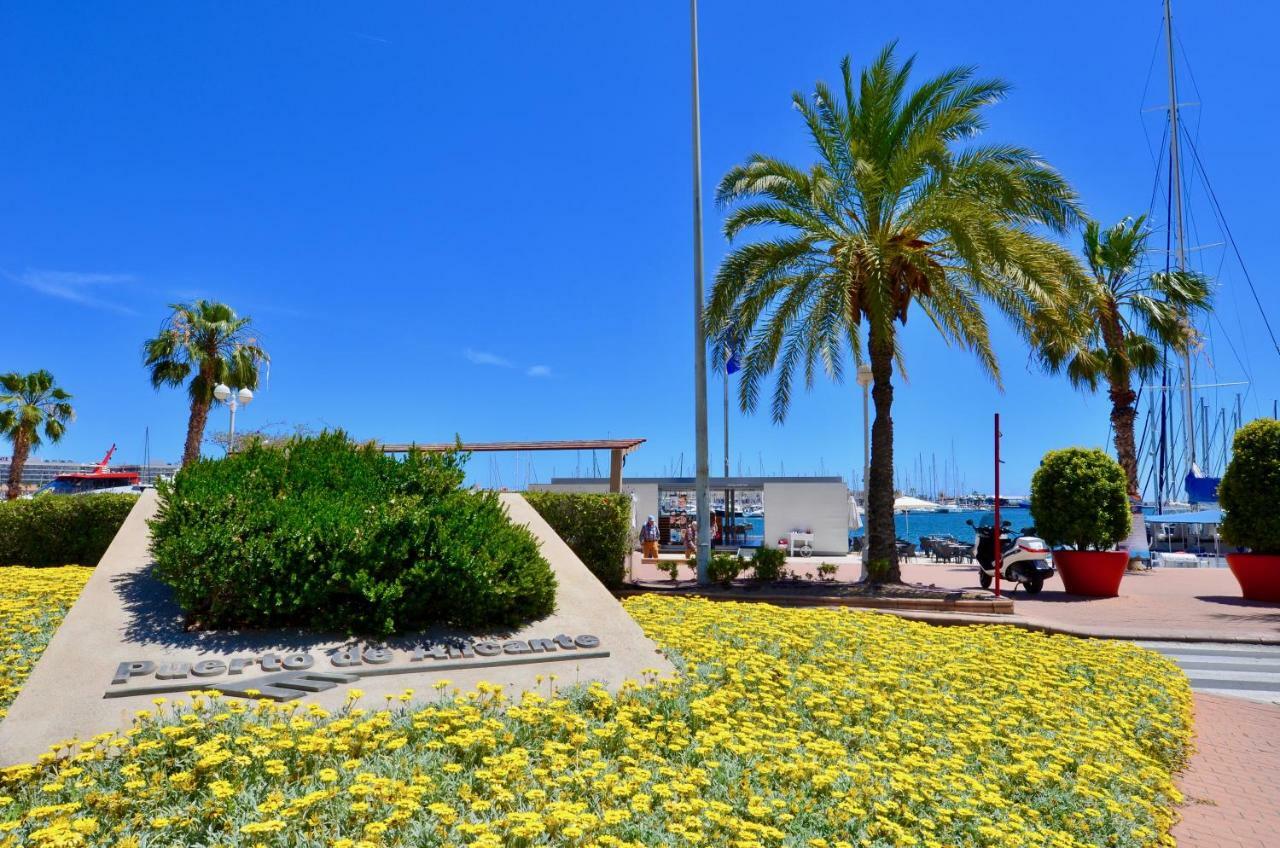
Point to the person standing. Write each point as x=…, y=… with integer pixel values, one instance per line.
x=691, y=538
x=649, y=538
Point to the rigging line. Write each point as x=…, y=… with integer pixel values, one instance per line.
x=1146, y=86
x=1155, y=183
x=1226, y=228
x=1213, y=316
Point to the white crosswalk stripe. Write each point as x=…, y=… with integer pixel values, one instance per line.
x=1240, y=670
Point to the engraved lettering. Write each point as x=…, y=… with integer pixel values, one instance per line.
x=298, y=662
x=137, y=668
x=173, y=671
x=488, y=649
x=346, y=657
x=208, y=668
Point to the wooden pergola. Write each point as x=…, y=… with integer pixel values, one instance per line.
x=618, y=448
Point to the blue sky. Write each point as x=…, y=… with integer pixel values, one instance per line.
x=447, y=218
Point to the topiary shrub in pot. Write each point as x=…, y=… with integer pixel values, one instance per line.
x=1251, y=518
x=1081, y=506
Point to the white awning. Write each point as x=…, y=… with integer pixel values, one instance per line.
x=909, y=504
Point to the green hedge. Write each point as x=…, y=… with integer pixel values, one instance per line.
x=1079, y=496
x=596, y=527
x=324, y=534
x=60, y=529
x=1249, y=487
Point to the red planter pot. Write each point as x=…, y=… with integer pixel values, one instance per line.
x=1093, y=573
x=1258, y=575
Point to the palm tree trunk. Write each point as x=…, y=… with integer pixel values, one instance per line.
x=21, y=450
x=195, y=430
x=1123, y=414
x=881, y=551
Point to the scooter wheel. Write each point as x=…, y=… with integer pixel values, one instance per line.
x=984, y=579
x=1034, y=585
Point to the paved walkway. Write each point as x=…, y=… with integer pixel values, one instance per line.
x=1232, y=784
x=1199, y=604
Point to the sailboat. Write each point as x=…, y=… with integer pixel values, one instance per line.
x=1172, y=435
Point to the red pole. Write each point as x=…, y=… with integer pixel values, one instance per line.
x=999, y=546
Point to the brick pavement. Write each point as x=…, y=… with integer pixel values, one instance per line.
x=1232, y=784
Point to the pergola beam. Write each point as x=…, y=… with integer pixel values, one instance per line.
x=618, y=448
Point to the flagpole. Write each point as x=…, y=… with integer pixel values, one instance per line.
x=728, y=507
x=699, y=338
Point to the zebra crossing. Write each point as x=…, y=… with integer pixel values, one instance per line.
x=1239, y=670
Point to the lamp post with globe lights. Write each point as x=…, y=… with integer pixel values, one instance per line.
x=233, y=400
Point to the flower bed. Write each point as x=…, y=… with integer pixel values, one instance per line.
x=794, y=727
x=32, y=604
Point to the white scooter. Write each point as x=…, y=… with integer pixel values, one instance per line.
x=1025, y=561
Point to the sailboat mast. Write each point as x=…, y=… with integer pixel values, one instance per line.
x=1175, y=188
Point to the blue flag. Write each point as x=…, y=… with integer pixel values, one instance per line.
x=732, y=365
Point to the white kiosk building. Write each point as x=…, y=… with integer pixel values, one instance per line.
x=766, y=510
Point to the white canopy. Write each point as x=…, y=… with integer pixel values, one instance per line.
x=909, y=504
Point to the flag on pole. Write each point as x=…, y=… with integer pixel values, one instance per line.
x=731, y=363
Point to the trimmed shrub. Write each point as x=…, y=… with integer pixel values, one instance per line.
x=1079, y=497
x=60, y=529
x=596, y=527
x=325, y=534
x=1249, y=487
x=768, y=563
x=723, y=568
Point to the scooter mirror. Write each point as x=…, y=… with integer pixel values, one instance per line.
x=1006, y=523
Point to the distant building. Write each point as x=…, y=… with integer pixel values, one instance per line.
x=765, y=510
x=38, y=471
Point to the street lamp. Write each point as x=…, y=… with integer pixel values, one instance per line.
x=864, y=380
x=243, y=397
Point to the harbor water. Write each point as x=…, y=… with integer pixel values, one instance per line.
x=911, y=526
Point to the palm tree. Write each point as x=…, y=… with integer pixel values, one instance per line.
x=1131, y=316
x=894, y=212
x=30, y=404
x=209, y=343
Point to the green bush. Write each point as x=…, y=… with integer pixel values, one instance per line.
x=60, y=529
x=723, y=568
x=768, y=563
x=325, y=534
x=597, y=527
x=1079, y=497
x=1249, y=488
